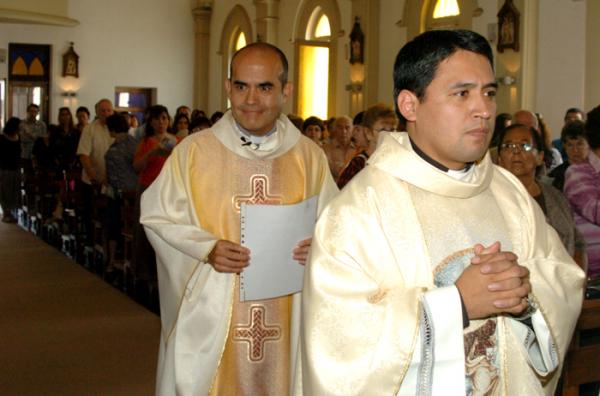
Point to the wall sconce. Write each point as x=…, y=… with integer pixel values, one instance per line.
x=69, y=94
x=506, y=80
x=354, y=87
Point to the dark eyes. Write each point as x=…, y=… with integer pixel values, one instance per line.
x=465, y=93
x=261, y=88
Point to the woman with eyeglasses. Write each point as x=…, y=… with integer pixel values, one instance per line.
x=521, y=152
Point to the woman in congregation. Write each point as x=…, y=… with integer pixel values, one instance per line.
x=521, y=152
x=582, y=188
x=313, y=128
x=181, y=125
x=65, y=141
x=377, y=118
x=150, y=156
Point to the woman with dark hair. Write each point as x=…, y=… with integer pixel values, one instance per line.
x=582, y=188
x=65, y=140
x=181, y=125
x=521, y=152
x=150, y=156
x=155, y=146
x=10, y=154
x=313, y=128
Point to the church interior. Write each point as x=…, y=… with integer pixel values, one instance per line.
x=71, y=329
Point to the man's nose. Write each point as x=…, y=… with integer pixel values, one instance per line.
x=251, y=95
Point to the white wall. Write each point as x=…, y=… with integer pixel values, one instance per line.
x=561, y=60
x=393, y=37
x=138, y=43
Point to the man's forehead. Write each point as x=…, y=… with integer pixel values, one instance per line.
x=477, y=62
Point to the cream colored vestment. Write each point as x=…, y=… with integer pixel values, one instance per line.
x=195, y=202
x=374, y=267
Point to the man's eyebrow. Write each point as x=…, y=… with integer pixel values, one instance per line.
x=470, y=85
x=266, y=84
x=238, y=82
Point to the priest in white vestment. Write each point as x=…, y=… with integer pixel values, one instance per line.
x=212, y=343
x=434, y=272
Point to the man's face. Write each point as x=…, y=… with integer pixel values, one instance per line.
x=104, y=110
x=82, y=117
x=32, y=113
x=453, y=122
x=577, y=150
x=255, y=90
x=342, y=130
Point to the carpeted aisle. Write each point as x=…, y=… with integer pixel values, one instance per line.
x=63, y=331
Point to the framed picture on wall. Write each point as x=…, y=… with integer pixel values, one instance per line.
x=508, y=27
x=71, y=63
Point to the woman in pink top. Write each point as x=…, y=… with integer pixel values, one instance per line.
x=582, y=188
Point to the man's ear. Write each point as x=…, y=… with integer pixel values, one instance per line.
x=288, y=88
x=407, y=104
x=228, y=87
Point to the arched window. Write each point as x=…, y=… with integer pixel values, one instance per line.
x=447, y=14
x=313, y=71
x=445, y=8
x=315, y=44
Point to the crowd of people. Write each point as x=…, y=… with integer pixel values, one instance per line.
x=376, y=242
x=92, y=164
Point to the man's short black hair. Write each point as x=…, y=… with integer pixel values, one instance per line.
x=32, y=105
x=417, y=62
x=572, y=130
x=283, y=77
x=117, y=123
x=84, y=109
x=592, y=127
x=574, y=110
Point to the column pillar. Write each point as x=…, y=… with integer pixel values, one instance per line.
x=267, y=20
x=201, y=13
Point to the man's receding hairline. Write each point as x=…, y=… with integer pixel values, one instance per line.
x=256, y=47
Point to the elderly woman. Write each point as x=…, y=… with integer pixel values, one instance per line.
x=521, y=151
x=582, y=188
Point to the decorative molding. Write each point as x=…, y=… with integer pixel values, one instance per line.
x=35, y=18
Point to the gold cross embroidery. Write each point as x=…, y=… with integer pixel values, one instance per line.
x=256, y=333
x=259, y=193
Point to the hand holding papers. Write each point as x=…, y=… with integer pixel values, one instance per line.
x=271, y=232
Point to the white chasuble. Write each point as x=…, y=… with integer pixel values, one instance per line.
x=381, y=314
x=211, y=342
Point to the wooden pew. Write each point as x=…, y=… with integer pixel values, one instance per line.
x=582, y=364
